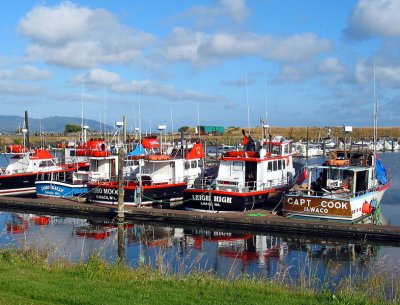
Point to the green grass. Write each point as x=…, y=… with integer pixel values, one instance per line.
x=27, y=278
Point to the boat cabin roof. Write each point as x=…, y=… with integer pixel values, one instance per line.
x=340, y=168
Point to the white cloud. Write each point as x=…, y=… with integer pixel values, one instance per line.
x=200, y=48
x=332, y=65
x=295, y=73
x=374, y=18
x=236, y=9
x=330, y=69
x=204, y=16
x=27, y=72
x=79, y=37
x=149, y=88
x=32, y=73
x=97, y=77
x=13, y=88
x=384, y=73
x=241, y=82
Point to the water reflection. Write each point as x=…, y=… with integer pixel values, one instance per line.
x=226, y=253
x=174, y=249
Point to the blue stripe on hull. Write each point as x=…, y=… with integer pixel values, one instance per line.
x=55, y=189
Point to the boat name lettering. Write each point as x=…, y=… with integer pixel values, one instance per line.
x=316, y=210
x=324, y=204
x=216, y=199
x=105, y=191
x=337, y=205
x=52, y=187
x=300, y=201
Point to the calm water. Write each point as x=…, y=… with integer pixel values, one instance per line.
x=222, y=252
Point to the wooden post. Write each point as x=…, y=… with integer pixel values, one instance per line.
x=121, y=241
x=121, y=193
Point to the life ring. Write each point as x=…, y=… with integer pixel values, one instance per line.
x=158, y=157
x=100, y=153
x=337, y=162
x=15, y=148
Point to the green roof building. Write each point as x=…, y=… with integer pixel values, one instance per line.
x=212, y=130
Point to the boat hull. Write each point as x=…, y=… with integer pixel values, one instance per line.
x=18, y=184
x=150, y=195
x=333, y=208
x=219, y=201
x=59, y=189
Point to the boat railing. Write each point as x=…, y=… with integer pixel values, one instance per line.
x=147, y=180
x=237, y=186
x=331, y=192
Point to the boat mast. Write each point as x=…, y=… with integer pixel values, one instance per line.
x=266, y=126
x=140, y=161
x=198, y=122
x=247, y=102
x=375, y=114
x=104, y=109
x=83, y=92
x=172, y=128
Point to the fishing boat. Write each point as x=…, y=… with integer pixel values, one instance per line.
x=162, y=179
x=247, y=179
x=348, y=187
x=307, y=150
x=62, y=184
x=93, y=154
x=24, y=168
x=79, y=154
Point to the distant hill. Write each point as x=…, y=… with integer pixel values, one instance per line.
x=10, y=123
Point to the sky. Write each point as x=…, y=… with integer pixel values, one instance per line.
x=185, y=62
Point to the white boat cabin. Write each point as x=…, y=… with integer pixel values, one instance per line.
x=103, y=168
x=247, y=171
x=329, y=180
x=170, y=171
x=38, y=161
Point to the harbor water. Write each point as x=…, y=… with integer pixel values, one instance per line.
x=225, y=253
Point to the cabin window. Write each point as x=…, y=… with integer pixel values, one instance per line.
x=72, y=153
x=269, y=167
x=46, y=163
x=237, y=166
x=172, y=164
x=275, y=165
x=283, y=164
x=194, y=164
x=279, y=165
x=187, y=165
x=334, y=175
x=201, y=163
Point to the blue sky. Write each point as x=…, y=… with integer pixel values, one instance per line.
x=305, y=63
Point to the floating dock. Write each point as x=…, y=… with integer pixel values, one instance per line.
x=261, y=221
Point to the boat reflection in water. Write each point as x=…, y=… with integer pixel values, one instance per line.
x=225, y=253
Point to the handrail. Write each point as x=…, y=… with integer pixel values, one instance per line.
x=259, y=185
